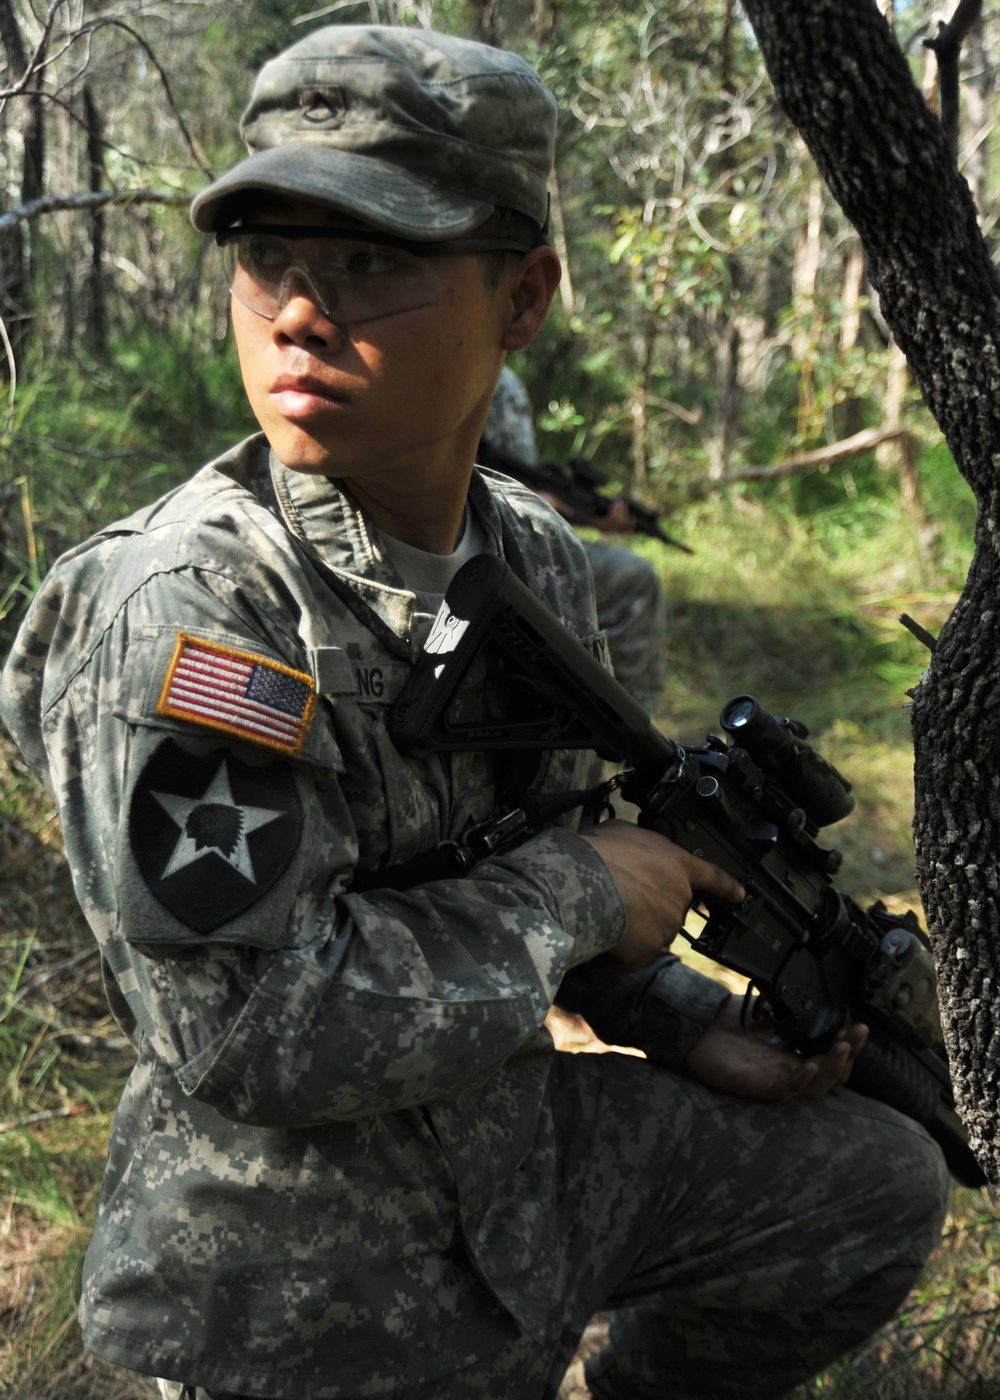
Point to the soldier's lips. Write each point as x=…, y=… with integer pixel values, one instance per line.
x=304, y=398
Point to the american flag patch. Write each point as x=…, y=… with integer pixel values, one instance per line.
x=239, y=693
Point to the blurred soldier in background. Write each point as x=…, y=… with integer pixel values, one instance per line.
x=630, y=606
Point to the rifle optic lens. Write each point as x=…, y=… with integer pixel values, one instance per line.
x=744, y=716
x=739, y=712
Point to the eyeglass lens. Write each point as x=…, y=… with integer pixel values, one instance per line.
x=350, y=281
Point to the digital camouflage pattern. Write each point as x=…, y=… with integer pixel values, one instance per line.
x=630, y=606
x=290, y=1044
x=510, y=423
x=743, y=1245
x=348, y=1161
x=350, y=114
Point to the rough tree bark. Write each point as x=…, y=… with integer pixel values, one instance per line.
x=840, y=76
x=15, y=258
x=97, y=321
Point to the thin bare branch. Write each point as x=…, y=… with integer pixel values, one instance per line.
x=11, y=362
x=922, y=635
x=78, y=121
x=36, y=61
x=947, y=49
x=50, y=204
x=830, y=455
x=104, y=454
x=86, y=31
x=69, y=1111
x=192, y=145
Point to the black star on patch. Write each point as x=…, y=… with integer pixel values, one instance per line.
x=210, y=833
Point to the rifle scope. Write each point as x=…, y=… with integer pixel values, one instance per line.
x=778, y=747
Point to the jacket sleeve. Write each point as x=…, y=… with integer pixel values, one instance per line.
x=662, y=1009
x=292, y=1001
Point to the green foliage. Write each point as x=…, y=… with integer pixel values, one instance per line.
x=91, y=444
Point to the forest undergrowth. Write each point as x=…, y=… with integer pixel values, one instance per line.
x=799, y=608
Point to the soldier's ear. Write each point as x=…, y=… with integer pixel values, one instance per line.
x=529, y=294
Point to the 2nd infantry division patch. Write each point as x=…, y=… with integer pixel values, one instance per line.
x=212, y=834
x=241, y=694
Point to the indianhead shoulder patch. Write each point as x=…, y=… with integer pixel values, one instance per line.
x=212, y=834
x=241, y=694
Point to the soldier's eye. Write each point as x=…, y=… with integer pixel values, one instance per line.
x=262, y=253
x=374, y=260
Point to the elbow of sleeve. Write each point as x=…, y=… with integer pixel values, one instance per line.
x=359, y=1066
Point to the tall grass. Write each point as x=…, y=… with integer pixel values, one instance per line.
x=61, y=1064
x=84, y=445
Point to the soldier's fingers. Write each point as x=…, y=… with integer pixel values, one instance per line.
x=707, y=878
x=854, y=1038
x=826, y=1072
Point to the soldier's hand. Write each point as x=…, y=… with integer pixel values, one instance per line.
x=657, y=882
x=749, y=1061
x=617, y=520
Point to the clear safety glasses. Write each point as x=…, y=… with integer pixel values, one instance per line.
x=351, y=278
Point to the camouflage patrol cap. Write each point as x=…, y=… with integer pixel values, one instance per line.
x=412, y=132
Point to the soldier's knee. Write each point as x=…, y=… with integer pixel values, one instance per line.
x=646, y=578
x=907, y=1188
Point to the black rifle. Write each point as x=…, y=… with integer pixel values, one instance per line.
x=578, y=486
x=753, y=803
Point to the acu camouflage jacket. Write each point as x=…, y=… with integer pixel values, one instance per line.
x=336, y=1095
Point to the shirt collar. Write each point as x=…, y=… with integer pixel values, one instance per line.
x=328, y=520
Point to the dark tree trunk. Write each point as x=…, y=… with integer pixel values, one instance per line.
x=843, y=81
x=97, y=321
x=485, y=17
x=15, y=249
x=726, y=47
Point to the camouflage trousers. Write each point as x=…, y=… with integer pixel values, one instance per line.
x=740, y=1246
x=630, y=609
